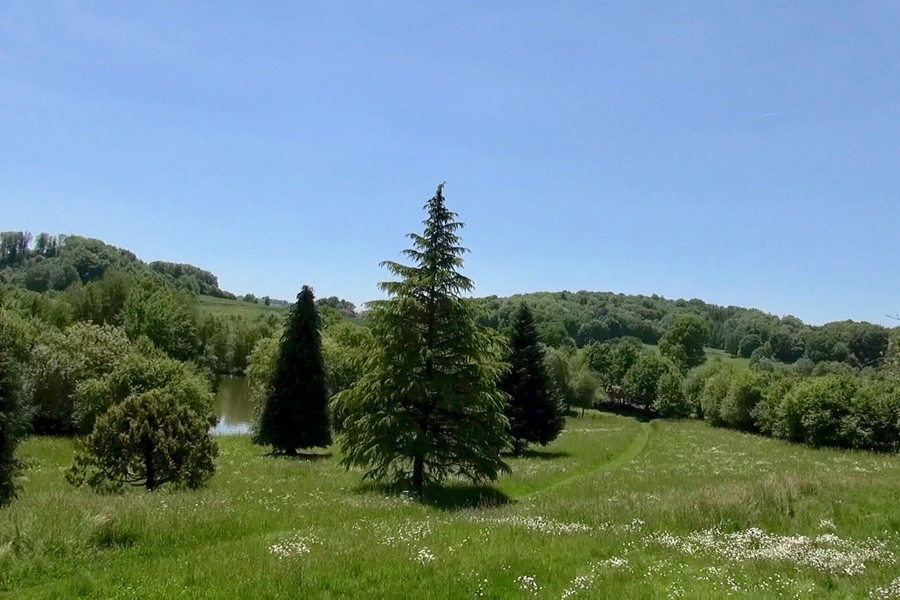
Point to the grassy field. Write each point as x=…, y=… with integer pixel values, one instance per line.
x=224, y=306
x=615, y=508
x=714, y=355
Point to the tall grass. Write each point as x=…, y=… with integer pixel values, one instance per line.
x=614, y=508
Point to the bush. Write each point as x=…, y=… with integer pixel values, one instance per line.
x=642, y=379
x=874, y=419
x=815, y=408
x=61, y=360
x=713, y=394
x=135, y=374
x=147, y=440
x=696, y=380
x=260, y=369
x=671, y=401
x=745, y=391
x=765, y=414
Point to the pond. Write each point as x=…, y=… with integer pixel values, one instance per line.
x=233, y=407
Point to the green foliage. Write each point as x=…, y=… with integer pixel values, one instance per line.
x=534, y=413
x=61, y=360
x=345, y=347
x=612, y=360
x=166, y=316
x=102, y=301
x=135, y=373
x=683, y=341
x=295, y=414
x=190, y=278
x=713, y=393
x=148, y=440
x=428, y=406
x=13, y=402
x=745, y=391
x=642, y=380
x=814, y=410
x=671, y=401
x=260, y=369
x=228, y=339
x=42, y=275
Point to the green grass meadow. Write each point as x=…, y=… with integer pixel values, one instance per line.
x=224, y=306
x=614, y=508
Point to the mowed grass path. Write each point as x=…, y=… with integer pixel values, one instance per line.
x=615, y=508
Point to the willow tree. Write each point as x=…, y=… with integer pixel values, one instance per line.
x=428, y=405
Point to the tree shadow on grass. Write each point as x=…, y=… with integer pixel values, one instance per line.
x=462, y=497
x=626, y=410
x=449, y=498
x=538, y=455
x=300, y=456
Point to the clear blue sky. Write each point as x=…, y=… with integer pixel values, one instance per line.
x=743, y=153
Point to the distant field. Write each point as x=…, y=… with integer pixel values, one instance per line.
x=714, y=354
x=615, y=508
x=223, y=306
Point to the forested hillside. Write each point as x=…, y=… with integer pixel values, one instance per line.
x=49, y=262
x=581, y=318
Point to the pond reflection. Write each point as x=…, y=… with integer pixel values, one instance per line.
x=233, y=407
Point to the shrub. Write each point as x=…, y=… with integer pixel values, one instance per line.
x=815, y=408
x=61, y=360
x=147, y=440
x=874, y=419
x=713, y=393
x=745, y=391
x=765, y=414
x=642, y=379
x=671, y=401
x=137, y=373
x=695, y=381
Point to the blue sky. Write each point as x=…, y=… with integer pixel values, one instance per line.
x=743, y=153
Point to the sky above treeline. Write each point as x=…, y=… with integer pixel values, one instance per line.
x=743, y=153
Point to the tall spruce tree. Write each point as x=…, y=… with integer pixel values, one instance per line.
x=295, y=415
x=535, y=414
x=428, y=405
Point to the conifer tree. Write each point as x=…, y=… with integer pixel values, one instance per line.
x=535, y=414
x=428, y=405
x=295, y=415
x=13, y=421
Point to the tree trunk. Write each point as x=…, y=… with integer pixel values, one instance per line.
x=418, y=481
x=148, y=465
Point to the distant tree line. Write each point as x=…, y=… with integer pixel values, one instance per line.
x=50, y=262
x=579, y=319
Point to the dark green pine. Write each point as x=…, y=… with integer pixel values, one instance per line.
x=535, y=415
x=296, y=412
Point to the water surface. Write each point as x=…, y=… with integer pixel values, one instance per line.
x=233, y=407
